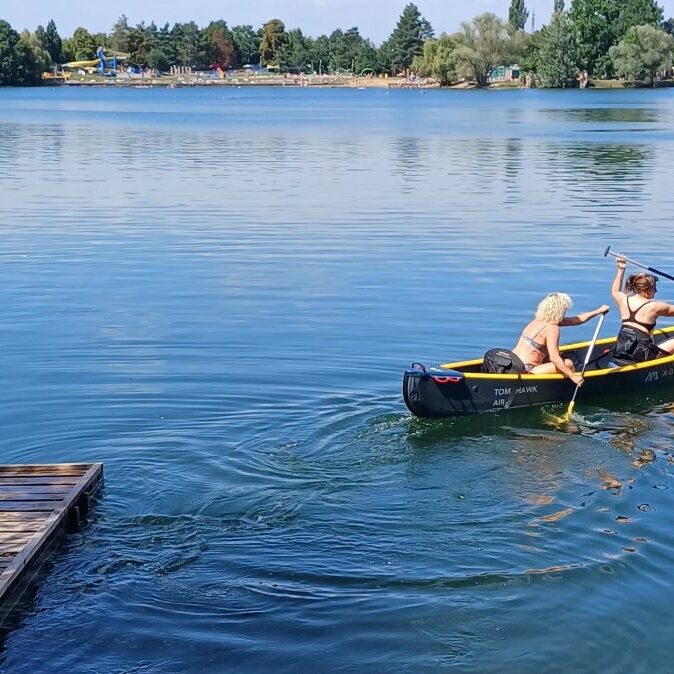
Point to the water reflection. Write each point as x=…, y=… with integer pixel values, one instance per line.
x=218, y=303
x=609, y=115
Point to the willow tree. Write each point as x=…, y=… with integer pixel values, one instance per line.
x=644, y=52
x=438, y=60
x=482, y=45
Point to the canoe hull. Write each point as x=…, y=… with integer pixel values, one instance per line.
x=447, y=391
x=427, y=398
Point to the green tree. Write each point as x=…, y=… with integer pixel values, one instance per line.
x=158, y=59
x=482, y=45
x=53, y=42
x=50, y=41
x=83, y=44
x=351, y=45
x=638, y=13
x=644, y=52
x=438, y=60
x=342, y=51
x=406, y=42
x=293, y=54
x=187, y=44
x=320, y=54
x=140, y=42
x=366, y=56
x=246, y=45
x=339, y=55
x=272, y=37
x=557, y=45
x=595, y=25
x=600, y=24
x=219, y=45
x=529, y=58
x=10, y=55
x=164, y=46
x=518, y=14
x=119, y=38
x=34, y=59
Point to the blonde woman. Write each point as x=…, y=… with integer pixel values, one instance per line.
x=538, y=345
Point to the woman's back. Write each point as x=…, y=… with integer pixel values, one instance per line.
x=532, y=347
x=639, y=312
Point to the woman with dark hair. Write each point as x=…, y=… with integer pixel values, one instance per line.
x=639, y=312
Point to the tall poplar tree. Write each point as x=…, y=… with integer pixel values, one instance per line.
x=53, y=42
x=518, y=14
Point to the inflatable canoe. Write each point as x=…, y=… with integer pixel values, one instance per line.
x=459, y=389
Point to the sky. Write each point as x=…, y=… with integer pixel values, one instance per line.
x=375, y=18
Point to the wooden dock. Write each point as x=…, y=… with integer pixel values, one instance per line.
x=37, y=505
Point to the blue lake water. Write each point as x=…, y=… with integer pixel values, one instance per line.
x=215, y=293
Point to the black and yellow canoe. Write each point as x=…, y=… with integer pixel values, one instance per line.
x=459, y=389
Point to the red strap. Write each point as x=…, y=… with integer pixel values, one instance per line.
x=446, y=380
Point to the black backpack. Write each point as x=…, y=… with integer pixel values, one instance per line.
x=502, y=361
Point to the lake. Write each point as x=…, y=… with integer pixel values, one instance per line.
x=215, y=292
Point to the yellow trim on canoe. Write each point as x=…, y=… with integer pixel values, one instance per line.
x=568, y=347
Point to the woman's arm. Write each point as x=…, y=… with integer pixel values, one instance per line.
x=556, y=358
x=618, y=280
x=667, y=309
x=584, y=317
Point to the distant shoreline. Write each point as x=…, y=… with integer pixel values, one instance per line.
x=301, y=81
x=186, y=81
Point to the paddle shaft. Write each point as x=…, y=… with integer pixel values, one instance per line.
x=588, y=355
x=608, y=251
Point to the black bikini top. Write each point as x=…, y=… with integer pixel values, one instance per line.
x=632, y=317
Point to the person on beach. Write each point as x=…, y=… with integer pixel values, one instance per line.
x=639, y=311
x=538, y=345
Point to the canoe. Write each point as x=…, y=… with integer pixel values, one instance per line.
x=460, y=389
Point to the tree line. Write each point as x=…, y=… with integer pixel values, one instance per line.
x=593, y=38
x=602, y=38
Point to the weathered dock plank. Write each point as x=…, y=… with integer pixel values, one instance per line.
x=37, y=504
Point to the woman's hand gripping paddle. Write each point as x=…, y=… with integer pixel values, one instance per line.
x=608, y=252
x=588, y=355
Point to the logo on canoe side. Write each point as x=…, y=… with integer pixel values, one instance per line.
x=660, y=373
x=502, y=402
x=518, y=391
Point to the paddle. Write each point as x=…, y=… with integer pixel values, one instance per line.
x=608, y=251
x=588, y=355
